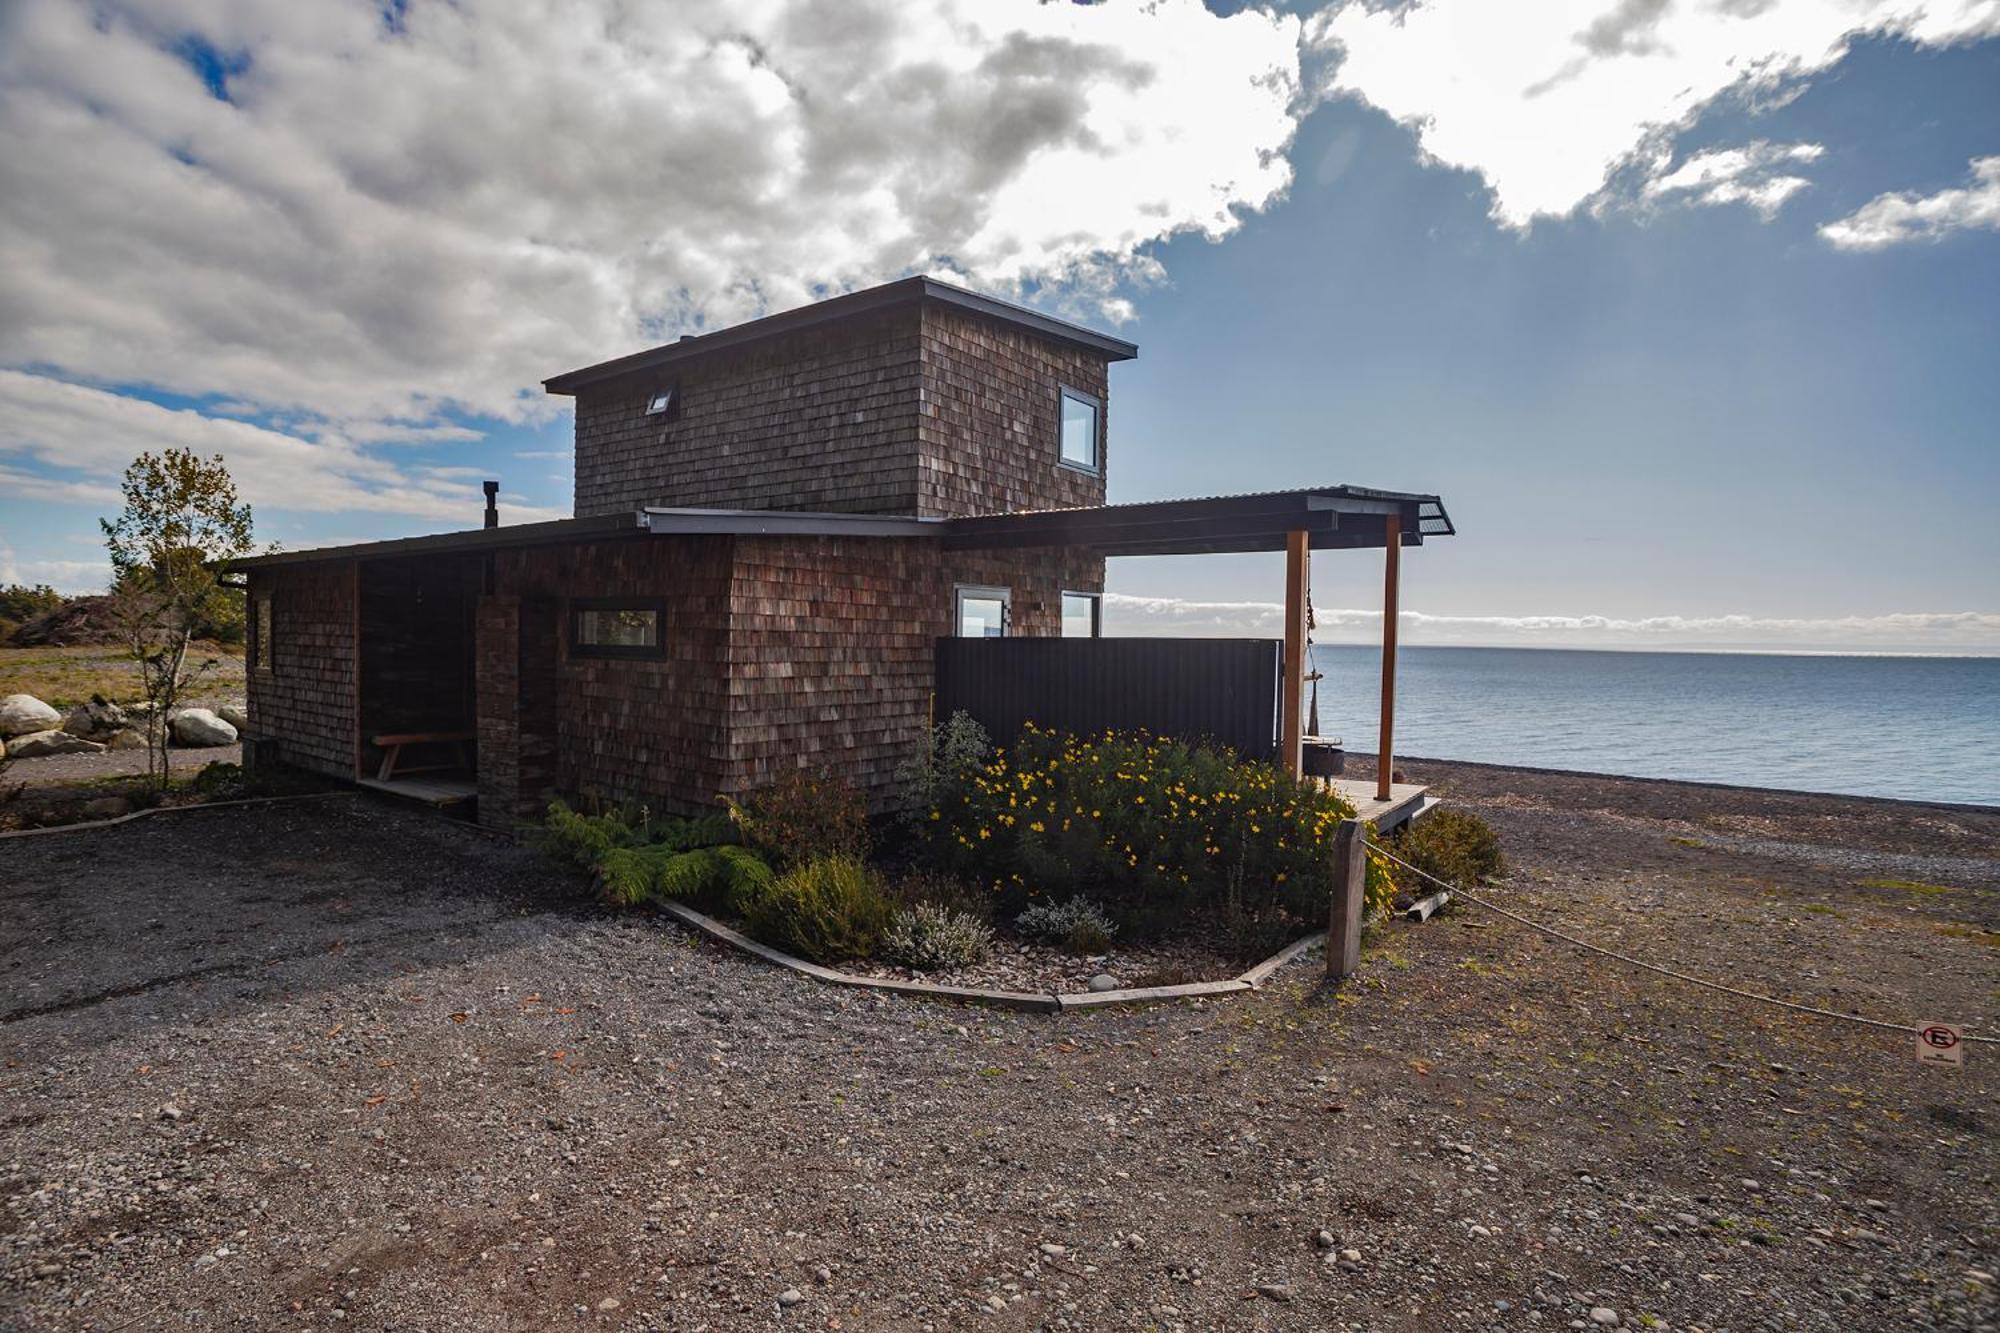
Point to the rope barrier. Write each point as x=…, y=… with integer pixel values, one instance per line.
x=1553, y=933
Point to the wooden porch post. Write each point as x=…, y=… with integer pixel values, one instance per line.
x=1391, y=574
x=1292, y=703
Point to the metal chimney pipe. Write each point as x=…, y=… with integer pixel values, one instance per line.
x=492, y=506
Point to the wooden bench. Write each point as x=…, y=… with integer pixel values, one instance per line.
x=392, y=751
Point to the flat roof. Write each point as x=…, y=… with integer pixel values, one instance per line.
x=905, y=291
x=1334, y=517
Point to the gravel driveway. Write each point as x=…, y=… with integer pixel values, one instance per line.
x=335, y=1064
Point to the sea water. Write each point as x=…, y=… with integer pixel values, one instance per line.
x=1920, y=728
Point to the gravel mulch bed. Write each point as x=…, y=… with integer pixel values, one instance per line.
x=334, y=1065
x=1026, y=966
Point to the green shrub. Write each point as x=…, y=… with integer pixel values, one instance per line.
x=827, y=910
x=703, y=876
x=218, y=780
x=803, y=817
x=584, y=839
x=1160, y=832
x=1458, y=847
x=922, y=885
x=930, y=938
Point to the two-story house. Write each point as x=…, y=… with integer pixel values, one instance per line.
x=775, y=525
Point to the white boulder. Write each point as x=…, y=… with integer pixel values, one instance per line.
x=131, y=738
x=42, y=744
x=235, y=715
x=24, y=714
x=198, y=728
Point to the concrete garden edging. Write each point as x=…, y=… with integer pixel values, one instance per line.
x=1050, y=1002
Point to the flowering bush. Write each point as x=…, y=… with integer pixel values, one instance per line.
x=1078, y=924
x=1159, y=831
x=927, y=937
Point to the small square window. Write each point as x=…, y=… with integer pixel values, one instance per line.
x=1079, y=430
x=1082, y=615
x=617, y=627
x=665, y=402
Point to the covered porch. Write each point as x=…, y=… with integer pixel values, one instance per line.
x=1295, y=522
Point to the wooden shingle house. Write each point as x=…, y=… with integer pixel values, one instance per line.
x=778, y=527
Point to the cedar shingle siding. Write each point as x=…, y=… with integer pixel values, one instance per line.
x=306, y=697
x=821, y=419
x=779, y=652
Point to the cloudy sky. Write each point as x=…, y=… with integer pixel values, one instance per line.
x=1687, y=307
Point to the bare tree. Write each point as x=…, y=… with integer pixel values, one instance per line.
x=170, y=548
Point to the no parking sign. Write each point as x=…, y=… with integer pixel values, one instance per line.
x=1940, y=1044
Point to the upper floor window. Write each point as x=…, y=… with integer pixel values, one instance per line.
x=1081, y=615
x=1080, y=412
x=617, y=627
x=664, y=402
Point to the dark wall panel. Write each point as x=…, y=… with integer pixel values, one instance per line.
x=1221, y=690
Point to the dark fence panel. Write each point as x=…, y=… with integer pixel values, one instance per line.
x=1222, y=690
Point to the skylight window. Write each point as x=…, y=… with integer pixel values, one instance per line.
x=664, y=402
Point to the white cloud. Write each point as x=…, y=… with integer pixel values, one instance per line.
x=88, y=436
x=1545, y=99
x=1755, y=174
x=1947, y=631
x=1891, y=219
x=380, y=221
x=65, y=576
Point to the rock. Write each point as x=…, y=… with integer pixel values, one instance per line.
x=3, y=749
x=107, y=807
x=1604, y=1315
x=1275, y=1291
x=131, y=738
x=822, y=1275
x=1053, y=1250
x=790, y=1296
x=609, y=1303
x=1104, y=981
x=24, y=715
x=42, y=744
x=95, y=720
x=236, y=715
x=170, y=1112
x=198, y=728
x=1324, y=1240
x=1352, y=1256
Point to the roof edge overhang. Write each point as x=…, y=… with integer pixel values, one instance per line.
x=472, y=541
x=1333, y=517
x=904, y=291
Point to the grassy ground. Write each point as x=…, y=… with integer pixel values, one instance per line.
x=65, y=677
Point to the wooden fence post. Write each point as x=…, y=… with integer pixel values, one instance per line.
x=1350, y=880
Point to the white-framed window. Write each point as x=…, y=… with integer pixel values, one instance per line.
x=617, y=627
x=1082, y=615
x=1082, y=427
x=981, y=612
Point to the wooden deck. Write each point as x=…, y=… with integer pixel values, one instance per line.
x=1406, y=801
x=440, y=790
